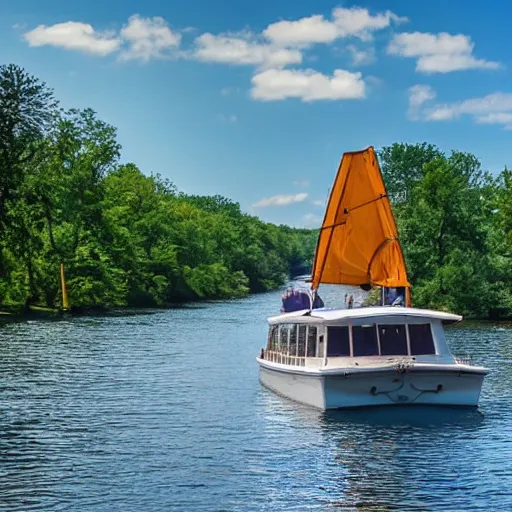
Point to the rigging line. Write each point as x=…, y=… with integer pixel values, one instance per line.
x=334, y=225
x=347, y=211
x=381, y=196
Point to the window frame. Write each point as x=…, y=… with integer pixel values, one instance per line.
x=320, y=340
x=354, y=344
x=377, y=323
x=328, y=328
x=402, y=339
x=432, y=337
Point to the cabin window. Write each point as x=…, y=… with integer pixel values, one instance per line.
x=311, y=340
x=393, y=340
x=421, y=339
x=320, y=352
x=283, y=338
x=364, y=339
x=273, y=334
x=293, y=340
x=301, y=346
x=338, y=341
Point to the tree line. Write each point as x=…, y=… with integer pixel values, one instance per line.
x=125, y=238
x=131, y=239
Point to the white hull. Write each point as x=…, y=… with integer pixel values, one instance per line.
x=448, y=385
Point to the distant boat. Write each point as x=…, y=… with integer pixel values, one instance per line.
x=368, y=356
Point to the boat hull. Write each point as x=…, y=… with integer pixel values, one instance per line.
x=375, y=388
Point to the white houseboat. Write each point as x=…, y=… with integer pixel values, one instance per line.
x=367, y=356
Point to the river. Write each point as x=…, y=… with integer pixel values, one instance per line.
x=163, y=411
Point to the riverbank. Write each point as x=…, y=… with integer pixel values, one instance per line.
x=44, y=313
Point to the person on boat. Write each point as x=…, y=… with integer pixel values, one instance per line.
x=351, y=302
x=399, y=301
x=390, y=296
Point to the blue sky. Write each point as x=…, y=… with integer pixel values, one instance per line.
x=258, y=101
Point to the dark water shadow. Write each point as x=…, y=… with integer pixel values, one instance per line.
x=397, y=416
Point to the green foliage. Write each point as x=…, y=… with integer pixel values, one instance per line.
x=125, y=238
x=216, y=281
x=129, y=239
x=451, y=229
x=27, y=109
x=402, y=165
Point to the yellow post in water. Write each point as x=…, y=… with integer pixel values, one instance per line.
x=65, y=301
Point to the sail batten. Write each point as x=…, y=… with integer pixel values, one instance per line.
x=358, y=241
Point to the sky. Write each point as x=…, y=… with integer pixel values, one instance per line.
x=257, y=101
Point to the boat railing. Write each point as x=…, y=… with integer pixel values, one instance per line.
x=279, y=357
x=463, y=359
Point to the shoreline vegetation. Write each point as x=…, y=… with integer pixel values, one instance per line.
x=131, y=240
x=125, y=239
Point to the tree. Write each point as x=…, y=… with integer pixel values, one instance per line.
x=403, y=165
x=27, y=110
x=80, y=153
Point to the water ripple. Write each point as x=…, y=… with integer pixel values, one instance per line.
x=164, y=412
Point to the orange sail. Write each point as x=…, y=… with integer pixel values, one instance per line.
x=358, y=242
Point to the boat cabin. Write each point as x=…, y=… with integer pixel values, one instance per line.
x=323, y=338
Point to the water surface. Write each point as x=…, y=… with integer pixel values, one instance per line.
x=164, y=412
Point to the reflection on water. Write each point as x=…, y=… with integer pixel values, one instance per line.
x=393, y=451
x=164, y=412
x=419, y=416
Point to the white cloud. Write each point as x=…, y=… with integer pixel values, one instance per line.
x=240, y=49
x=361, y=57
x=448, y=63
x=73, y=35
x=494, y=108
x=301, y=183
x=314, y=29
x=308, y=85
x=359, y=22
x=351, y=22
x=310, y=220
x=145, y=38
x=418, y=96
x=269, y=52
x=440, y=113
x=438, y=53
x=318, y=202
x=148, y=38
x=280, y=200
x=374, y=80
x=496, y=118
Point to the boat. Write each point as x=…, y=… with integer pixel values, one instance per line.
x=385, y=354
